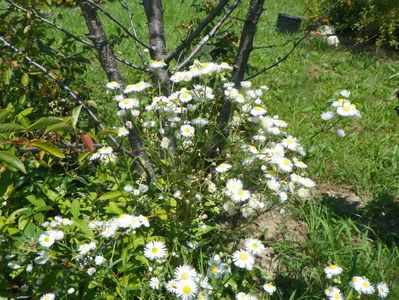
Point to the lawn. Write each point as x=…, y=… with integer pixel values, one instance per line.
x=353, y=220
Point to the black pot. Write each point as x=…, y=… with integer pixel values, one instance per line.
x=287, y=23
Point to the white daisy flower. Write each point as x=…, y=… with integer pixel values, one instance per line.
x=91, y=271
x=154, y=283
x=48, y=296
x=223, y=167
x=185, y=272
x=56, y=234
x=240, y=195
x=122, y=131
x=46, y=240
x=327, y=115
x=244, y=296
x=382, y=289
x=86, y=248
x=113, y=85
x=186, y=289
x=185, y=96
x=366, y=287
x=137, y=87
x=348, y=110
x=233, y=185
x=345, y=93
x=187, y=131
x=284, y=164
x=155, y=250
x=332, y=270
x=356, y=283
x=128, y=103
x=257, y=111
x=171, y=286
x=340, y=133
x=254, y=246
x=99, y=260
x=243, y=259
x=269, y=288
x=246, y=84
x=154, y=64
x=13, y=265
x=290, y=142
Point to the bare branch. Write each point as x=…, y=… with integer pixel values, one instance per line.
x=197, y=31
x=71, y=35
x=280, y=60
x=244, y=50
x=36, y=15
x=209, y=35
x=116, y=21
x=129, y=13
x=60, y=83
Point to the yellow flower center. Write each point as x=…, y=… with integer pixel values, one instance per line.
x=187, y=290
x=185, y=276
x=154, y=250
x=243, y=256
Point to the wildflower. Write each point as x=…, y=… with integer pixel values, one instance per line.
x=244, y=296
x=356, y=283
x=128, y=103
x=185, y=96
x=233, y=185
x=332, y=270
x=128, y=188
x=157, y=64
x=186, y=289
x=366, y=287
x=254, y=246
x=91, y=271
x=284, y=164
x=29, y=268
x=71, y=291
x=42, y=258
x=333, y=293
x=345, y=93
x=13, y=265
x=165, y=143
x=48, y=296
x=46, y=240
x=187, y=131
x=243, y=259
x=382, y=289
x=327, y=115
x=246, y=84
x=240, y=195
x=269, y=288
x=258, y=111
x=154, y=283
x=155, y=250
x=122, y=131
x=185, y=272
x=137, y=87
x=348, y=110
x=86, y=248
x=340, y=133
x=113, y=85
x=171, y=286
x=290, y=142
x=99, y=260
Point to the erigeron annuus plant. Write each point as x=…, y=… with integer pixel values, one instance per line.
x=169, y=238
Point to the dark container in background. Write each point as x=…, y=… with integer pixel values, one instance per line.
x=287, y=23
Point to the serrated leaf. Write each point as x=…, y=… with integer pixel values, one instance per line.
x=10, y=128
x=12, y=160
x=45, y=122
x=75, y=115
x=49, y=148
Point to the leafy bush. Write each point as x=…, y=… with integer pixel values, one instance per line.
x=369, y=20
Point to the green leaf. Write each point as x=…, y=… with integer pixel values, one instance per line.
x=58, y=127
x=6, y=76
x=110, y=195
x=25, y=80
x=12, y=160
x=75, y=115
x=4, y=114
x=44, y=122
x=75, y=208
x=53, y=150
x=10, y=128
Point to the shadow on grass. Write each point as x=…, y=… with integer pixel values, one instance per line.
x=381, y=214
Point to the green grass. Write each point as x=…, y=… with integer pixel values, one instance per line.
x=365, y=160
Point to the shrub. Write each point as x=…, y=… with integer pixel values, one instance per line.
x=368, y=20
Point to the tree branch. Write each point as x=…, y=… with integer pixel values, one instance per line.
x=116, y=21
x=197, y=31
x=139, y=52
x=209, y=35
x=60, y=83
x=108, y=63
x=244, y=50
x=280, y=60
